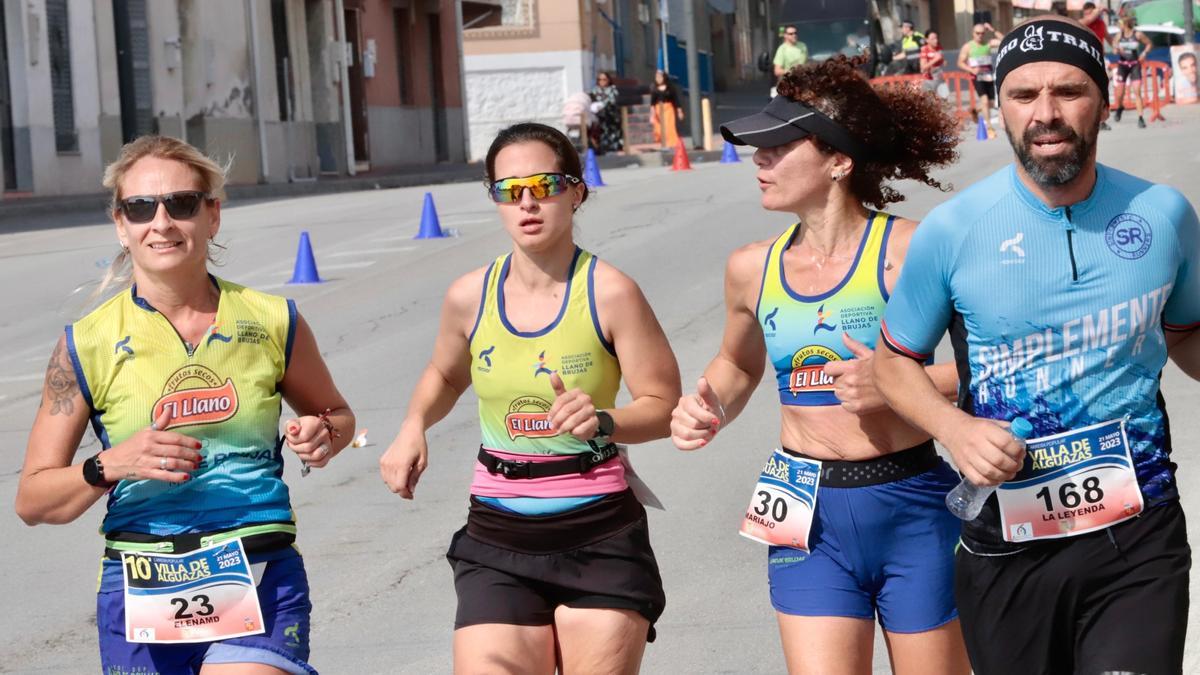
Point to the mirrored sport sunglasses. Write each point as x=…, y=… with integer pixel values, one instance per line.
x=540, y=185
x=180, y=205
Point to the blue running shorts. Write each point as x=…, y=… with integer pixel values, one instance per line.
x=885, y=549
x=283, y=594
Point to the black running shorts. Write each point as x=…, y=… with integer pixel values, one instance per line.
x=1112, y=601
x=1129, y=72
x=516, y=569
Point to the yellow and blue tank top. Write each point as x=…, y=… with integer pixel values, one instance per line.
x=510, y=369
x=132, y=365
x=804, y=332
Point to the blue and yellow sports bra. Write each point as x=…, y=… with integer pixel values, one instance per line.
x=804, y=332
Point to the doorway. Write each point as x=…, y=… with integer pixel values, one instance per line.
x=358, y=103
x=6, y=129
x=438, y=81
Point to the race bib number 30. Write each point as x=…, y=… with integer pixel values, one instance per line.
x=1074, y=482
x=204, y=595
x=785, y=498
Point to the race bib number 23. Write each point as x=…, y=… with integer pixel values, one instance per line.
x=208, y=594
x=785, y=498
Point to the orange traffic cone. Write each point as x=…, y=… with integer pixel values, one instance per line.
x=680, y=162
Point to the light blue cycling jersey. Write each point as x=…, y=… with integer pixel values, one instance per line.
x=1056, y=315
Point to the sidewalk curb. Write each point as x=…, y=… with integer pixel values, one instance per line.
x=429, y=175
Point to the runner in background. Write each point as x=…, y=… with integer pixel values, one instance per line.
x=182, y=375
x=933, y=62
x=881, y=541
x=1131, y=47
x=554, y=567
x=976, y=57
x=791, y=52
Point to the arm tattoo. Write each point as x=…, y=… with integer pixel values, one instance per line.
x=61, y=385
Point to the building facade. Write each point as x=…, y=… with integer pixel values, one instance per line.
x=523, y=58
x=955, y=18
x=289, y=89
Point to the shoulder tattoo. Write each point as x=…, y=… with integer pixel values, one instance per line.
x=61, y=385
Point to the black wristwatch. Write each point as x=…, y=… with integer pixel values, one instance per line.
x=93, y=472
x=605, y=427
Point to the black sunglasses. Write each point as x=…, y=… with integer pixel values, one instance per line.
x=180, y=205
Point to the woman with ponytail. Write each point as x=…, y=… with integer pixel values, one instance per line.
x=182, y=375
x=852, y=505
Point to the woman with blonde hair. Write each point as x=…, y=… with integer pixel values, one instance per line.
x=182, y=375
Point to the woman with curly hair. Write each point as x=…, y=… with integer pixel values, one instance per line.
x=852, y=505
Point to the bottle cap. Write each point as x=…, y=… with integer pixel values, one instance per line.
x=1021, y=428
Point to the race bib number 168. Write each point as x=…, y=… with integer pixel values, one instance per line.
x=1074, y=482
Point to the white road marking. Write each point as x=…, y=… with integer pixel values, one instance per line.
x=346, y=266
x=394, y=249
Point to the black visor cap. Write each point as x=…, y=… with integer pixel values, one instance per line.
x=785, y=121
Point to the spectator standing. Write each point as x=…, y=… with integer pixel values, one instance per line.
x=908, y=50
x=665, y=110
x=607, y=129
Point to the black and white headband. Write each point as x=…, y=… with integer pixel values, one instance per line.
x=1053, y=40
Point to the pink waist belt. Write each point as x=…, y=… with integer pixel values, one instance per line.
x=510, y=474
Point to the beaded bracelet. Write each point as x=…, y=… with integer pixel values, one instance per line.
x=323, y=418
x=329, y=428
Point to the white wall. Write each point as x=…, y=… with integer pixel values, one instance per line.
x=166, y=64
x=503, y=89
x=40, y=167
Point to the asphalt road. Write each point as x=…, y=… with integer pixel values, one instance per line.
x=382, y=589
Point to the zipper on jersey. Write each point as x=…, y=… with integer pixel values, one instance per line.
x=1071, y=244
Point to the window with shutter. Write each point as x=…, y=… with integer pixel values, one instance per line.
x=66, y=139
x=133, y=68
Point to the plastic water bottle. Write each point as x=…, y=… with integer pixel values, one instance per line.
x=966, y=500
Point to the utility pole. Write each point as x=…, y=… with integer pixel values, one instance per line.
x=693, y=72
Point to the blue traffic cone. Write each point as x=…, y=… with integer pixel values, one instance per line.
x=306, y=265
x=981, y=133
x=729, y=154
x=431, y=228
x=591, y=171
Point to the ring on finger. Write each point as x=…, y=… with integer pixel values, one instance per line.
x=162, y=463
